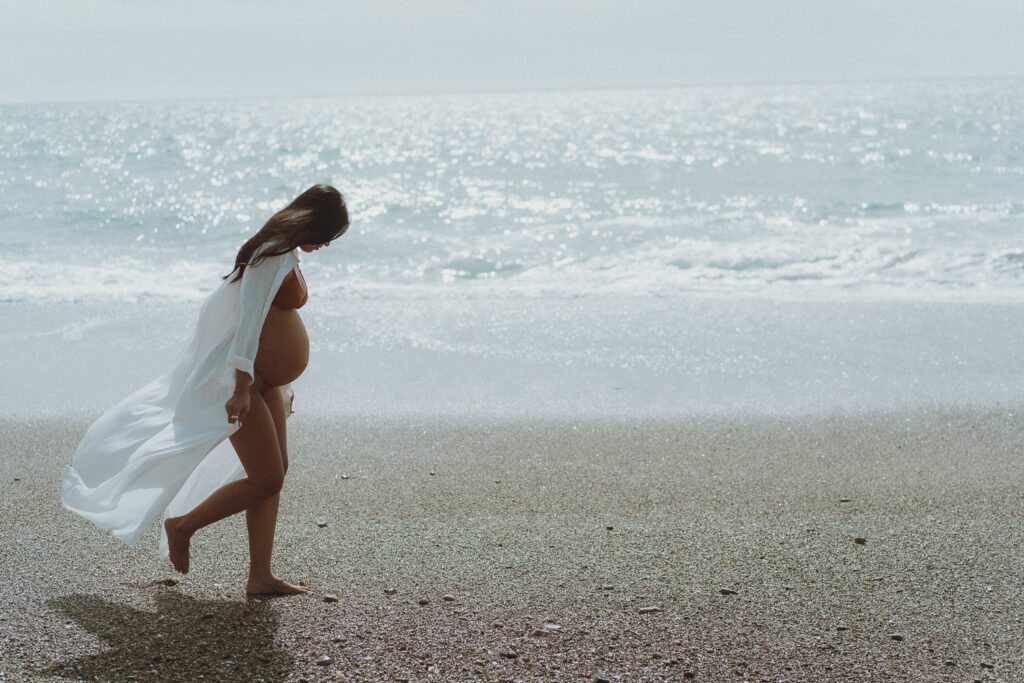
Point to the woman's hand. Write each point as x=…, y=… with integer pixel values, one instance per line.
x=238, y=406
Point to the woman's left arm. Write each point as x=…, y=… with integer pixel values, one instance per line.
x=257, y=293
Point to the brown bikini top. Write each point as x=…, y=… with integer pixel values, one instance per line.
x=292, y=293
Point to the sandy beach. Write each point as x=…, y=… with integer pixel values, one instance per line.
x=531, y=550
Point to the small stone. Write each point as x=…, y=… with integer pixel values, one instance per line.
x=896, y=636
x=509, y=654
x=339, y=639
x=860, y=540
x=601, y=679
x=344, y=476
x=689, y=674
x=390, y=591
x=656, y=655
x=553, y=627
x=649, y=610
x=726, y=591
x=497, y=481
x=322, y=523
x=539, y=632
x=508, y=566
x=330, y=597
x=432, y=473
x=169, y=582
x=423, y=601
x=949, y=662
x=324, y=660
x=842, y=627
x=844, y=500
x=448, y=597
x=986, y=665
x=609, y=527
x=608, y=587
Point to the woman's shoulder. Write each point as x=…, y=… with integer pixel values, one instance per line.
x=275, y=260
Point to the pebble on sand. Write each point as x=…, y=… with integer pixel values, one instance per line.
x=322, y=523
x=896, y=636
x=726, y=591
x=448, y=597
x=860, y=540
x=324, y=660
x=423, y=601
x=390, y=591
x=330, y=597
x=649, y=610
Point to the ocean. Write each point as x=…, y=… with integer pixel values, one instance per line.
x=769, y=249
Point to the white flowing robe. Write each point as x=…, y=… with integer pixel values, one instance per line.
x=165, y=447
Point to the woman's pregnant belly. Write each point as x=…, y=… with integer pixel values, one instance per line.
x=283, y=351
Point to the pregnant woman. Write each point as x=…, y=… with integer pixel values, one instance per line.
x=209, y=439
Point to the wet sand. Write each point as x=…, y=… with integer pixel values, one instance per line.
x=538, y=547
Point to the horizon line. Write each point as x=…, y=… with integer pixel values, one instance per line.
x=512, y=91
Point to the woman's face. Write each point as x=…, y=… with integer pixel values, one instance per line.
x=314, y=247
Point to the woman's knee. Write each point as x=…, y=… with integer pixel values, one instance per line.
x=268, y=485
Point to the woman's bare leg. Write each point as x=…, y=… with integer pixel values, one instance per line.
x=256, y=444
x=261, y=518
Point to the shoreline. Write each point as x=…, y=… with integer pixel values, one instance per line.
x=575, y=359
x=513, y=527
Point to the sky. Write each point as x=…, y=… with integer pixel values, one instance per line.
x=89, y=50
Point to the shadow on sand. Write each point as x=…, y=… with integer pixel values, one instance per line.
x=185, y=638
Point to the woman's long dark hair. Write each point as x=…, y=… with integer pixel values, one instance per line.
x=317, y=215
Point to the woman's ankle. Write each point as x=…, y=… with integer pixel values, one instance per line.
x=180, y=525
x=260, y=574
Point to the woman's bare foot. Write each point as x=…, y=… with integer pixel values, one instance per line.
x=272, y=585
x=177, y=544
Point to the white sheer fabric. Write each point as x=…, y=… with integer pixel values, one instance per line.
x=165, y=447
